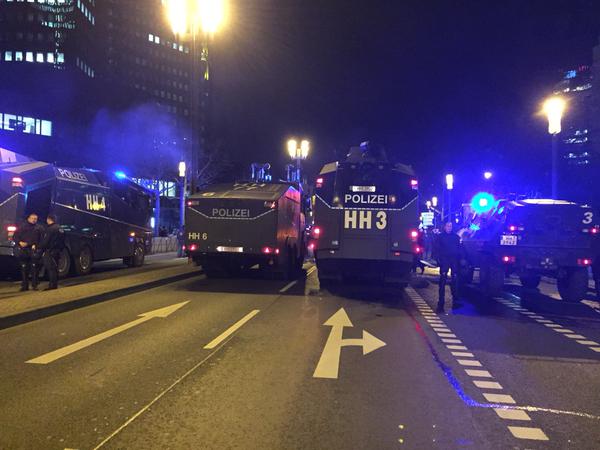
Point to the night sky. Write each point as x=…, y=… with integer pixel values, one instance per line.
x=444, y=85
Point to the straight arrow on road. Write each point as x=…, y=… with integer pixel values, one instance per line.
x=162, y=313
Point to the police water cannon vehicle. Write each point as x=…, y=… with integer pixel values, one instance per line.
x=530, y=238
x=103, y=216
x=232, y=227
x=365, y=218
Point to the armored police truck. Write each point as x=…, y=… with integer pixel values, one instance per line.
x=365, y=218
x=235, y=226
x=104, y=216
x=532, y=238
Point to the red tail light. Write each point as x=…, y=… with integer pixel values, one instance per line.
x=316, y=232
x=414, y=183
x=193, y=248
x=512, y=228
x=414, y=235
x=320, y=182
x=418, y=250
x=270, y=251
x=11, y=229
x=509, y=259
x=183, y=248
x=311, y=246
x=594, y=230
x=584, y=262
x=17, y=182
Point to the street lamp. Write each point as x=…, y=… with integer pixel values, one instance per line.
x=434, y=202
x=183, y=176
x=298, y=153
x=198, y=21
x=554, y=109
x=450, y=187
x=488, y=175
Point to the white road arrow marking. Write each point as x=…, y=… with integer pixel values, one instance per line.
x=162, y=313
x=328, y=366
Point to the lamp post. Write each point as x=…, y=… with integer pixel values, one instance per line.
x=488, y=175
x=183, y=178
x=197, y=21
x=450, y=187
x=554, y=108
x=298, y=153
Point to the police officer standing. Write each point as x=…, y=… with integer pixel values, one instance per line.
x=447, y=251
x=51, y=245
x=27, y=237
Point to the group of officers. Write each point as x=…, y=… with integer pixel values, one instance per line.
x=36, y=245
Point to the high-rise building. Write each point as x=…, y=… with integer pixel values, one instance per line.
x=98, y=82
x=578, y=159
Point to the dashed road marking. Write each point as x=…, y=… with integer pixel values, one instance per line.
x=550, y=324
x=487, y=384
x=483, y=379
x=535, y=434
x=499, y=398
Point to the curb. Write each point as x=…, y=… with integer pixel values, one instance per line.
x=48, y=311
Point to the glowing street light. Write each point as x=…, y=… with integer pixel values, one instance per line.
x=196, y=21
x=554, y=109
x=450, y=181
x=434, y=202
x=298, y=152
x=488, y=175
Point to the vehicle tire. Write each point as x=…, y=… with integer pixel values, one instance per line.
x=139, y=256
x=64, y=264
x=492, y=279
x=530, y=281
x=574, y=285
x=83, y=261
x=466, y=275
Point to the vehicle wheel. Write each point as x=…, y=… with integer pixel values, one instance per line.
x=83, y=261
x=139, y=256
x=64, y=263
x=530, y=281
x=492, y=279
x=574, y=285
x=466, y=275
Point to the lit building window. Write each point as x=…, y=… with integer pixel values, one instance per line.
x=39, y=57
x=18, y=56
x=27, y=125
x=29, y=56
x=8, y=56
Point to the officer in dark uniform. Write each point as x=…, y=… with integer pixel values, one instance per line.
x=51, y=245
x=447, y=252
x=27, y=238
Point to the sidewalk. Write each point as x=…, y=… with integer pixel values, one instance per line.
x=35, y=304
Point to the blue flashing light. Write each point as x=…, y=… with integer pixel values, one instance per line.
x=570, y=74
x=483, y=202
x=121, y=175
x=474, y=227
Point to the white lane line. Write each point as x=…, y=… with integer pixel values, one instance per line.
x=446, y=335
x=288, y=287
x=444, y=332
x=478, y=373
x=469, y=362
x=550, y=324
x=534, y=434
x=499, y=398
x=456, y=347
x=487, y=384
x=463, y=354
x=512, y=414
x=236, y=326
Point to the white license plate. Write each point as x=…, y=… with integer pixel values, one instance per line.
x=509, y=240
x=363, y=188
x=222, y=249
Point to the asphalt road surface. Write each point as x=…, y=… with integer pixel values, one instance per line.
x=266, y=364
